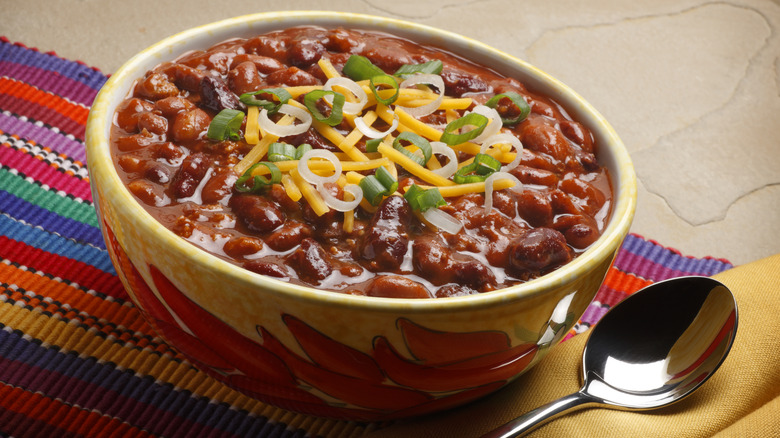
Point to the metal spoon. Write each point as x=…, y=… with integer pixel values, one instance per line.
x=649, y=351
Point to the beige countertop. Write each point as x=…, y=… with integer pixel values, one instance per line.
x=691, y=86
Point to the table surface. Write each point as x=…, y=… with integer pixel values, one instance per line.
x=691, y=86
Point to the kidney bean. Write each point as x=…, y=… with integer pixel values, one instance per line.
x=313, y=138
x=218, y=188
x=263, y=64
x=304, y=52
x=388, y=56
x=257, y=212
x=459, y=83
x=189, y=175
x=386, y=239
x=184, y=76
x=170, y=106
x=289, y=235
x=535, y=207
x=156, y=86
x=562, y=203
x=310, y=261
x=541, y=161
x=279, y=195
x=244, y=78
x=146, y=191
x=292, y=77
x=154, y=123
x=396, y=286
x=539, y=136
x=532, y=175
x=266, y=45
x=157, y=172
x=216, y=95
x=129, y=111
x=505, y=202
x=339, y=40
x=592, y=196
x=538, y=250
x=239, y=247
x=190, y=125
x=577, y=133
x=580, y=230
x=441, y=265
x=264, y=267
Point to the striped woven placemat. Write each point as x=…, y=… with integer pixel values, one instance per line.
x=76, y=358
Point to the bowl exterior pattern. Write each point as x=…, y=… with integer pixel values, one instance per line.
x=324, y=353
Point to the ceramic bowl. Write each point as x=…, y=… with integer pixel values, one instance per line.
x=330, y=354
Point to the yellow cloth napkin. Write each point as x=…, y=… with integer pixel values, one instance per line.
x=742, y=399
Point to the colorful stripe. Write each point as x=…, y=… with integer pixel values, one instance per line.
x=76, y=357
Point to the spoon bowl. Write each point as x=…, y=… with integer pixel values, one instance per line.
x=651, y=350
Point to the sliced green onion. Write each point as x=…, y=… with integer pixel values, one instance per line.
x=387, y=180
x=431, y=67
x=336, y=115
x=359, y=68
x=259, y=182
x=422, y=200
x=517, y=100
x=226, y=125
x=423, y=144
x=373, y=190
x=372, y=145
x=281, y=152
x=377, y=186
x=474, y=119
x=280, y=93
x=486, y=164
x=302, y=149
x=384, y=80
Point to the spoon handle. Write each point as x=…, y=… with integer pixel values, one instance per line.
x=541, y=415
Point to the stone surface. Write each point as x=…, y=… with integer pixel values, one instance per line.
x=692, y=87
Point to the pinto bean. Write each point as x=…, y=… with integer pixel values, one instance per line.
x=216, y=95
x=184, y=76
x=190, y=174
x=190, y=125
x=292, y=77
x=289, y=235
x=339, y=40
x=537, y=251
x=386, y=239
x=239, y=247
x=153, y=123
x=265, y=45
x=310, y=261
x=128, y=112
x=135, y=142
x=454, y=290
x=395, y=286
x=146, y=192
x=263, y=64
x=156, y=86
x=257, y=212
x=170, y=106
x=244, y=78
x=167, y=151
x=157, y=172
x=441, y=266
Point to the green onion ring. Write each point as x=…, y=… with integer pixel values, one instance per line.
x=387, y=180
x=423, y=144
x=226, y=125
x=473, y=119
x=336, y=115
x=259, y=182
x=302, y=149
x=486, y=164
x=373, y=189
x=421, y=199
x=384, y=80
x=517, y=100
x=272, y=107
x=372, y=145
x=281, y=152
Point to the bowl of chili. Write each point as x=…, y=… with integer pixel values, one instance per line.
x=352, y=216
